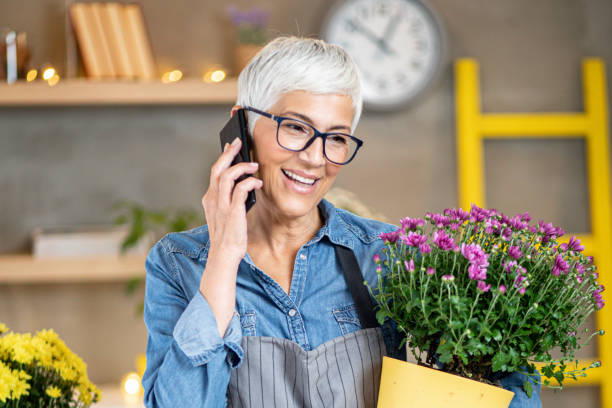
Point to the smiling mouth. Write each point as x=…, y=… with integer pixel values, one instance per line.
x=302, y=180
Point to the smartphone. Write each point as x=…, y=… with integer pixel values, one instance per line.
x=237, y=127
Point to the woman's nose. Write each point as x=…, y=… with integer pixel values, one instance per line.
x=314, y=153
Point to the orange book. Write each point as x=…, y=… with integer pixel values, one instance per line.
x=101, y=39
x=139, y=42
x=83, y=29
x=113, y=19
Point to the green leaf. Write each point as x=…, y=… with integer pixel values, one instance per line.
x=446, y=352
x=514, y=356
x=456, y=324
x=528, y=387
x=381, y=315
x=497, y=336
x=140, y=308
x=133, y=284
x=121, y=219
x=499, y=360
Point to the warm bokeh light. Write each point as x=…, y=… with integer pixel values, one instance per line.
x=48, y=73
x=214, y=75
x=31, y=75
x=53, y=80
x=172, y=76
x=218, y=76
x=132, y=384
x=132, y=389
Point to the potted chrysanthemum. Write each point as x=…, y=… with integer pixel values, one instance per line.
x=480, y=295
x=41, y=371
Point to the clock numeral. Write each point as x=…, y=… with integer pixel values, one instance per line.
x=381, y=84
x=383, y=9
x=421, y=45
x=416, y=65
x=401, y=78
x=364, y=12
x=416, y=25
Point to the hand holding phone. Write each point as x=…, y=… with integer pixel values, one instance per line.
x=237, y=127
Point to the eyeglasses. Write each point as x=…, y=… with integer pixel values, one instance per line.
x=296, y=135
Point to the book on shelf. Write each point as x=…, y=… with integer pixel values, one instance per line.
x=82, y=23
x=113, y=41
x=142, y=45
x=101, y=38
x=117, y=29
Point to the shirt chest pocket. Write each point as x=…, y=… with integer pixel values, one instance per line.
x=247, y=323
x=347, y=318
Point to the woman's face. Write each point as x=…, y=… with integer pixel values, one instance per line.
x=278, y=167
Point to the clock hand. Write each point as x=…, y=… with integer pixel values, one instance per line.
x=391, y=26
x=389, y=31
x=380, y=43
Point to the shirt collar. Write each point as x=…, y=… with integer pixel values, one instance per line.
x=335, y=228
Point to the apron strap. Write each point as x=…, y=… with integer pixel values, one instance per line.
x=354, y=280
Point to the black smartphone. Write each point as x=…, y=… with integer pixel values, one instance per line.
x=237, y=127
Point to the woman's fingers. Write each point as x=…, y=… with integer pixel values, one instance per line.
x=242, y=190
x=224, y=161
x=228, y=179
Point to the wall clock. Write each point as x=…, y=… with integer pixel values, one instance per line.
x=398, y=46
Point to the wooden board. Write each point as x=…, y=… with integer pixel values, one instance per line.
x=116, y=92
x=23, y=269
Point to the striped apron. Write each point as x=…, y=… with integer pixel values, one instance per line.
x=342, y=372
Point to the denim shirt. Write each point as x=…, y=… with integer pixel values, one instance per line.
x=188, y=362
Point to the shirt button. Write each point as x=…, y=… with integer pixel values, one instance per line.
x=292, y=312
x=303, y=257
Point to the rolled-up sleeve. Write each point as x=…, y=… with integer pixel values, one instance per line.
x=188, y=362
x=197, y=335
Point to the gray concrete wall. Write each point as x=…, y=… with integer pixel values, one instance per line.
x=70, y=164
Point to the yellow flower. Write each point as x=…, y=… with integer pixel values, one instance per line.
x=3, y=328
x=53, y=391
x=47, y=355
x=13, y=383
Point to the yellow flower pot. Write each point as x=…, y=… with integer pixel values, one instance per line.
x=408, y=385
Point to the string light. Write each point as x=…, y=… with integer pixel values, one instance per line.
x=31, y=75
x=53, y=80
x=172, y=76
x=48, y=73
x=214, y=75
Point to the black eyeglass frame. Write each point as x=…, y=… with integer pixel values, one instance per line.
x=279, y=119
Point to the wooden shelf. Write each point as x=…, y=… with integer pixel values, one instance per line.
x=24, y=269
x=71, y=92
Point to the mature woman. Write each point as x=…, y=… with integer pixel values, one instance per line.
x=268, y=308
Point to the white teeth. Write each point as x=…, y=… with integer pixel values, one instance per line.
x=299, y=178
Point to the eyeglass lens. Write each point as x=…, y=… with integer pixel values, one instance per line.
x=293, y=135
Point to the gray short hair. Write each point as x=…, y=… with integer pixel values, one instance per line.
x=290, y=64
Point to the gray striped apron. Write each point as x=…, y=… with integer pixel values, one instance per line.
x=342, y=372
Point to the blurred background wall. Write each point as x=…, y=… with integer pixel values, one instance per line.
x=64, y=165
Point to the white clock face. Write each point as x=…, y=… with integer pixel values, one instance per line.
x=396, y=44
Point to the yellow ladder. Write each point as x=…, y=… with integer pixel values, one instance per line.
x=473, y=127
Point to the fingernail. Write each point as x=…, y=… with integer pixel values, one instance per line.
x=235, y=142
x=225, y=147
x=254, y=164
